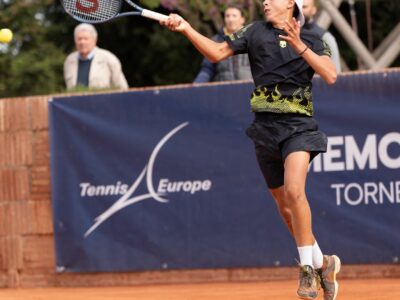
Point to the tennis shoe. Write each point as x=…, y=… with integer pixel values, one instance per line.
x=308, y=283
x=328, y=273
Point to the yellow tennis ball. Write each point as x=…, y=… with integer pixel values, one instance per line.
x=6, y=35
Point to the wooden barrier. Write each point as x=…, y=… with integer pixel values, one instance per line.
x=27, y=256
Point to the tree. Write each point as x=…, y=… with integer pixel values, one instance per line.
x=32, y=62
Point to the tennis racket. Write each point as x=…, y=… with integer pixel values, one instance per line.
x=99, y=11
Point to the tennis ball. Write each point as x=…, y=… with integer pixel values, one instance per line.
x=6, y=35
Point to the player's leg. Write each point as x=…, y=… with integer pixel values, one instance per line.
x=273, y=172
x=296, y=166
x=272, y=167
x=295, y=204
x=282, y=204
x=279, y=196
x=284, y=210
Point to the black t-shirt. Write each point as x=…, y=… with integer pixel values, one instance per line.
x=282, y=77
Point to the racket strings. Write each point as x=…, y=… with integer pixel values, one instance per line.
x=92, y=10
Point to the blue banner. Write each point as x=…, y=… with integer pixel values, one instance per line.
x=167, y=178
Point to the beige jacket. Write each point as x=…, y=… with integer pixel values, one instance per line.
x=105, y=71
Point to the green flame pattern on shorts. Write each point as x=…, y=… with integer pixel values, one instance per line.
x=272, y=100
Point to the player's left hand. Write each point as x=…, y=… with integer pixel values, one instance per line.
x=292, y=29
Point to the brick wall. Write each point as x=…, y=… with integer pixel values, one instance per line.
x=25, y=208
x=27, y=256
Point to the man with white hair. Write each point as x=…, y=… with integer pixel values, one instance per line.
x=91, y=66
x=283, y=59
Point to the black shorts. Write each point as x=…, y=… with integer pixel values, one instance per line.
x=275, y=136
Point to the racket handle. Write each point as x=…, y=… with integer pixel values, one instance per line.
x=153, y=15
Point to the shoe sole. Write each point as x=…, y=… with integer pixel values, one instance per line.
x=337, y=270
x=308, y=298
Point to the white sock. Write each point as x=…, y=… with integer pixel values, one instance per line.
x=306, y=255
x=317, y=256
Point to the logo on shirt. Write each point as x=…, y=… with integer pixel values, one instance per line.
x=283, y=44
x=240, y=33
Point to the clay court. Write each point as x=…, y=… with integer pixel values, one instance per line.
x=369, y=289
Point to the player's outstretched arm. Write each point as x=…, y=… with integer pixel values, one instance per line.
x=214, y=51
x=322, y=65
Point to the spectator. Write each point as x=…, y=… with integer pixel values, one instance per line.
x=233, y=68
x=309, y=11
x=91, y=66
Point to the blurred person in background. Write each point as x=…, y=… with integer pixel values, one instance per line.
x=91, y=66
x=232, y=68
x=310, y=10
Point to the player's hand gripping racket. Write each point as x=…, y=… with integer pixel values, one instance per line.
x=99, y=11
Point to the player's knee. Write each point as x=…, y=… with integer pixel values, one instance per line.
x=295, y=194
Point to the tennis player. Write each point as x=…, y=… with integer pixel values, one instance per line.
x=283, y=61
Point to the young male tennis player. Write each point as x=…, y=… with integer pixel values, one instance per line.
x=283, y=61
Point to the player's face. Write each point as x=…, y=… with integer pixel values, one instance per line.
x=277, y=10
x=309, y=9
x=85, y=42
x=233, y=20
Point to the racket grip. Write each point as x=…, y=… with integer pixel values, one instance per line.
x=153, y=15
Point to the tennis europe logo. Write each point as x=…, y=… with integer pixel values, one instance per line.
x=128, y=198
